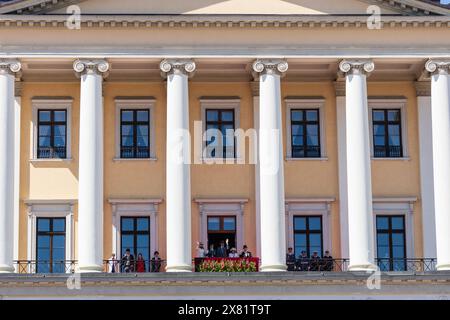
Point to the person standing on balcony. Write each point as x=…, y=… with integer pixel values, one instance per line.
x=233, y=253
x=290, y=260
x=140, y=263
x=127, y=262
x=201, y=251
x=315, y=262
x=245, y=253
x=211, y=253
x=222, y=251
x=327, y=261
x=112, y=264
x=303, y=262
x=156, y=262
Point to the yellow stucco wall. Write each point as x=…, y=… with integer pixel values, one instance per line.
x=53, y=180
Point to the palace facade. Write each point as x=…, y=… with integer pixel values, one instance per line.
x=115, y=128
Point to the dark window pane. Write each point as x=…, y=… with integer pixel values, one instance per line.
x=127, y=115
x=43, y=255
x=142, y=141
x=297, y=129
x=382, y=223
x=383, y=252
x=379, y=140
x=43, y=224
x=43, y=241
x=127, y=242
x=142, y=130
x=312, y=129
x=315, y=223
x=394, y=115
x=44, y=142
x=44, y=116
x=315, y=240
x=378, y=129
x=45, y=130
x=142, y=240
x=212, y=115
x=397, y=223
x=398, y=239
x=59, y=225
x=383, y=239
x=59, y=242
x=312, y=115
x=398, y=252
x=394, y=129
x=143, y=224
x=59, y=142
x=297, y=140
x=378, y=115
x=142, y=115
x=60, y=116
x=127, y=130
x=213, y=224
x=312, y=140
x=127, y=224
x=227, y=115
x=229, y=223
x=296, y=115
x=59, y=130
x=300, y=223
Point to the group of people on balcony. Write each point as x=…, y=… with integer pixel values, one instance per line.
x=128, y=263
x=222, y=251
x=305, y=263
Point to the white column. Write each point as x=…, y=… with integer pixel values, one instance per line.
x=440, y=117
x=90, y=172
x=423, y=89
x=178, y=158
x=359, y=182
x=271, y=162
x=8, y=69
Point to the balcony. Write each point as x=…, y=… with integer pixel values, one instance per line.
x=387, y=152
x=298, y=266
x=51, y=153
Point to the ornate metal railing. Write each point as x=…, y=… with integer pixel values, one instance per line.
x=134, y=152
x=387, y=151
x=51, y=152
x=154, y=266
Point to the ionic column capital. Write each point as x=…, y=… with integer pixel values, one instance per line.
x=438, y=66
x=177, y=66
x=270, y=66
x=355, y=67
x=86, y=66
x=10, y=66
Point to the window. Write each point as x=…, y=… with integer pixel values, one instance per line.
x=51, y=245
x=135, y=133
x=305, y=133
x=387, y=133
x=135, y=235
x=308, y=235
x=391, y=242
x=52, y=134
x=221, y=228
x=223, y=121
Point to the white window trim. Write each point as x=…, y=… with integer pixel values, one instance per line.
x=309, y=207
x=397, y=206
x=222, y=207
x=56, y=103
x=390, y=104
x=306, y=104
x=50, y=209
x=135, y=104
x=231, y=103
x=134, y=208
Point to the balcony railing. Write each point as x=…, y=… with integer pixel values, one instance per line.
x=387, y=151
x=51, y=153
x=134, y=152
x=153, y=266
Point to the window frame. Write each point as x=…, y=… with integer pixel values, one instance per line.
x=52, y=104
x=135, y=104
x=52, y=123
x=308, y=231
x=135, y=123
x=304, y=123
x=135, y=233
x=386, y=123
x=390, y=232
x=306, y=104
x=223, y=104
x=51, y=233
x=392, y=103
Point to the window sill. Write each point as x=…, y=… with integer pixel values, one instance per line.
x=308, y=159
x=51, y=160
x=392, y=159
x=134, y=159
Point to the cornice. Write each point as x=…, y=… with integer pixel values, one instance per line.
x=222, y=21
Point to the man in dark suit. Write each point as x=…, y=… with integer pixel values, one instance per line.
x=222, y=250
x=290, y=260
x=245, y=253
x=127, y=262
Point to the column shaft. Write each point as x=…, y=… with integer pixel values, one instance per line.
x=359, y=185
x=7, y=78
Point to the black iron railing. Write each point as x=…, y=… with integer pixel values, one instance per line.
x=414, y=265
x=44, y=266
x=318, y=264
x=387, y=151
x=51, y=153
x=134, y=152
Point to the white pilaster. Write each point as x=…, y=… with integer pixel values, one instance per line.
x=359, y=185
x=90, y=172
x=8, y=69
x=440, y=117
x=178, y=185
x=271, y=162
x=426, y=168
